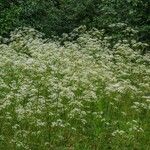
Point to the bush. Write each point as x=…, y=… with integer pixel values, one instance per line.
x=57, y=17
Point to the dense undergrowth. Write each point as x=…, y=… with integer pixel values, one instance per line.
x=80, y=95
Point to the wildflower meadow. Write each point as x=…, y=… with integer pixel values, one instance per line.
x=82, y=94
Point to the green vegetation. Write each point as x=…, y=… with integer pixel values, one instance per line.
x=62, y=16
x=76, y=93
x=74, y=75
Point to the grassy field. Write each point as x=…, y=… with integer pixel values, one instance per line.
x=82, y=95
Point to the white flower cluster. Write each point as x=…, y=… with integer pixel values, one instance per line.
x=52, y=94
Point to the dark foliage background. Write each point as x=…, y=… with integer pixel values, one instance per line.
x=54, y=17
